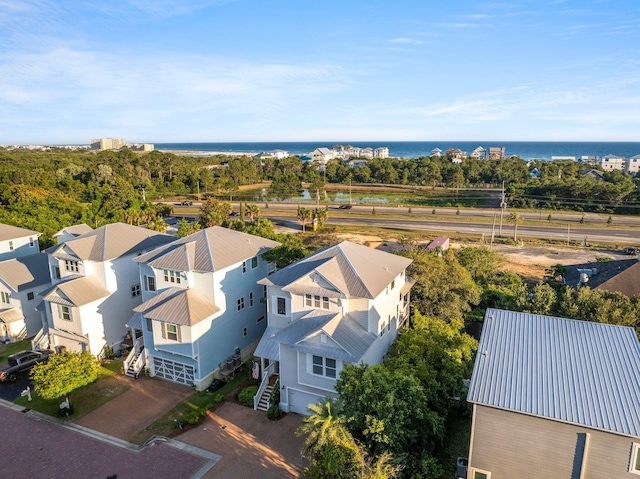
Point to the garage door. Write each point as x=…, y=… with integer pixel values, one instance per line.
x=173, y=371
x=299, y=400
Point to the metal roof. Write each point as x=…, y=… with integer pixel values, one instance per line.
x=355, y=270
x=267, y=348
x=567, y=370
x=112, y=241
x=75, y=230
x=25, y=272
x=11, y=315
x=178, y=306
x=209, y=250
x=77, y=291
x=8, y=232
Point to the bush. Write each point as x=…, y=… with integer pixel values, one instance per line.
x=274, y=412
x=218, y=398
x=246, y=395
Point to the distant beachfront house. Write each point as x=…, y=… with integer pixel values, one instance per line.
x=633, y=165
x=479, y=153
x=613, y=162
x=554, y=398
x=322, y=156
x=381, y=152
x=436, y=152
x=497, y=152
x=535, y=173
x=563, y=158
x=357, y=163
x=456, y=155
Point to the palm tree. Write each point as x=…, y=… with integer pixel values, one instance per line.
x=321, y=214
x=304, y=215
x=252, y=211
x=515, y=218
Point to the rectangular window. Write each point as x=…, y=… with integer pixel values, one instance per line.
x=30, y=295
x=634, y=467
x=254, y=262
x=480, y=474
x=324, y=366
x=150, y=283
x=316, y=301
x=31, y=242
x=10, y=245
x=5, y=297
x=70, y=265
x=244, y=332
x=65, y=313
x=135, y=290
x=171, y=331
x=260, y=319
x=149, y=325
x=56, y=272
x=251, y=299
x=264, y=292
x=240, y=303
x=282, y=306
x=244, y=267
x=393, y=283
x=172, y=276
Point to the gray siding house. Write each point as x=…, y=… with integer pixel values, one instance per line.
x=341, y=305
x=202, y=305
x=554, y=398
x=16, y=242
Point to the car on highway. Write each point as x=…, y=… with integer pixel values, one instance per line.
x=345, y=207
x=631, y=251
x=187, y=203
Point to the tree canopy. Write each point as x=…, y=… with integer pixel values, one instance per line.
x=63, y=373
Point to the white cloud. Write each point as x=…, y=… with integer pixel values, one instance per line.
x=411, y=41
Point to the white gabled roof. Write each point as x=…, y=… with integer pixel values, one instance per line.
x=26, y=272
x=209, y=250
x=8, y=232
x=355, y=270
x=572, y=371
x=111, y=241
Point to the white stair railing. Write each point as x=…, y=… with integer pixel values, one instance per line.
x=269, y=370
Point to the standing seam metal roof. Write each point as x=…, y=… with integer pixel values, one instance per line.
x=573, y=371
x=26, y=272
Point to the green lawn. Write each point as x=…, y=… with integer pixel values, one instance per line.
x=85, y=399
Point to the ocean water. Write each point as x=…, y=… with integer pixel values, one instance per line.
x=528, y=150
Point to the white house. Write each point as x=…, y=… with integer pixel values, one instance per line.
x=613, y=162
x=203, y=309
x=341, y=305
x=16, y=242
x=70, y=232
x=21, y=282
x=323, y=155
x=95, y=286
x=633, y=165
x=479, y=153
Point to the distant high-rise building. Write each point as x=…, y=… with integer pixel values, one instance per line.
x=108, y=143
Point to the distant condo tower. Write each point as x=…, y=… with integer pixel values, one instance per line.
x=108, y=143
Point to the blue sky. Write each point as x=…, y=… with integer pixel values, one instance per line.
x=332, y=70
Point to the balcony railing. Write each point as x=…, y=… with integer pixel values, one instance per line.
x=266, y=374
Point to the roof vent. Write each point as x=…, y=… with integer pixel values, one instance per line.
x=485, y=352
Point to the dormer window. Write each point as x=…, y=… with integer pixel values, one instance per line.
x=70, y=265
x=172, y=276
x=315, y=301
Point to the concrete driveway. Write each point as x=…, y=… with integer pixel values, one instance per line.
x=250, y=444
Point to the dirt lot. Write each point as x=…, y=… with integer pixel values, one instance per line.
x=528, y=261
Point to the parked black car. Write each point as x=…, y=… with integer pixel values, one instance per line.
x=21, y=362
x=631, y=251
x=344, y=207
x=215, y=385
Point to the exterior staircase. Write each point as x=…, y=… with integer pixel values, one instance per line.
x=135, y=361
x=131, y=370
x=263, y=404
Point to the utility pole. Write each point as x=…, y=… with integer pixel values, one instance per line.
x=493, y=231
x=503, y=205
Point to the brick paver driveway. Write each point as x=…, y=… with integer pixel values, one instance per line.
x=251, y=445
